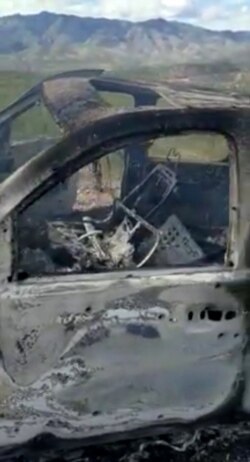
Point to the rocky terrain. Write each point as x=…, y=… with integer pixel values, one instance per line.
x=49, y=37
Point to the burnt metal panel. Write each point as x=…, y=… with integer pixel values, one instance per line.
x=69, y=100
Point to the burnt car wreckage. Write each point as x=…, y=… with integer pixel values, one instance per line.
x=129, y=313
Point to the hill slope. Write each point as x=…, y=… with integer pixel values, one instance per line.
x=52, y=37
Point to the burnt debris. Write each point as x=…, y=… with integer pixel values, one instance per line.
x=154, y=225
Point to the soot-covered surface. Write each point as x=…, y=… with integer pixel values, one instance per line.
x=219, y=443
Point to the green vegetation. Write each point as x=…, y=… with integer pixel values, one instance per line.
x=191, y=147
x=13, y=84
x=38, y=122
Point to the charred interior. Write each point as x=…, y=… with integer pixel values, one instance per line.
x=160, y=204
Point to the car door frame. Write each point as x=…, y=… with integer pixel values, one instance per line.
x=49, y=299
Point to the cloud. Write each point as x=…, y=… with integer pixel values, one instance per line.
x=129, y=9
x=220, y=14
x=217, y=14
x=135, y=9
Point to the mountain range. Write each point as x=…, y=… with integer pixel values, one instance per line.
x=49, y=38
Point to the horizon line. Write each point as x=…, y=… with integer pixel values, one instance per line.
x=130, y=21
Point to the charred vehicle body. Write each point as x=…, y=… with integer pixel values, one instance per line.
x=124, y=262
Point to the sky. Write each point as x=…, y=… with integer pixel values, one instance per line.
x=214, y=14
